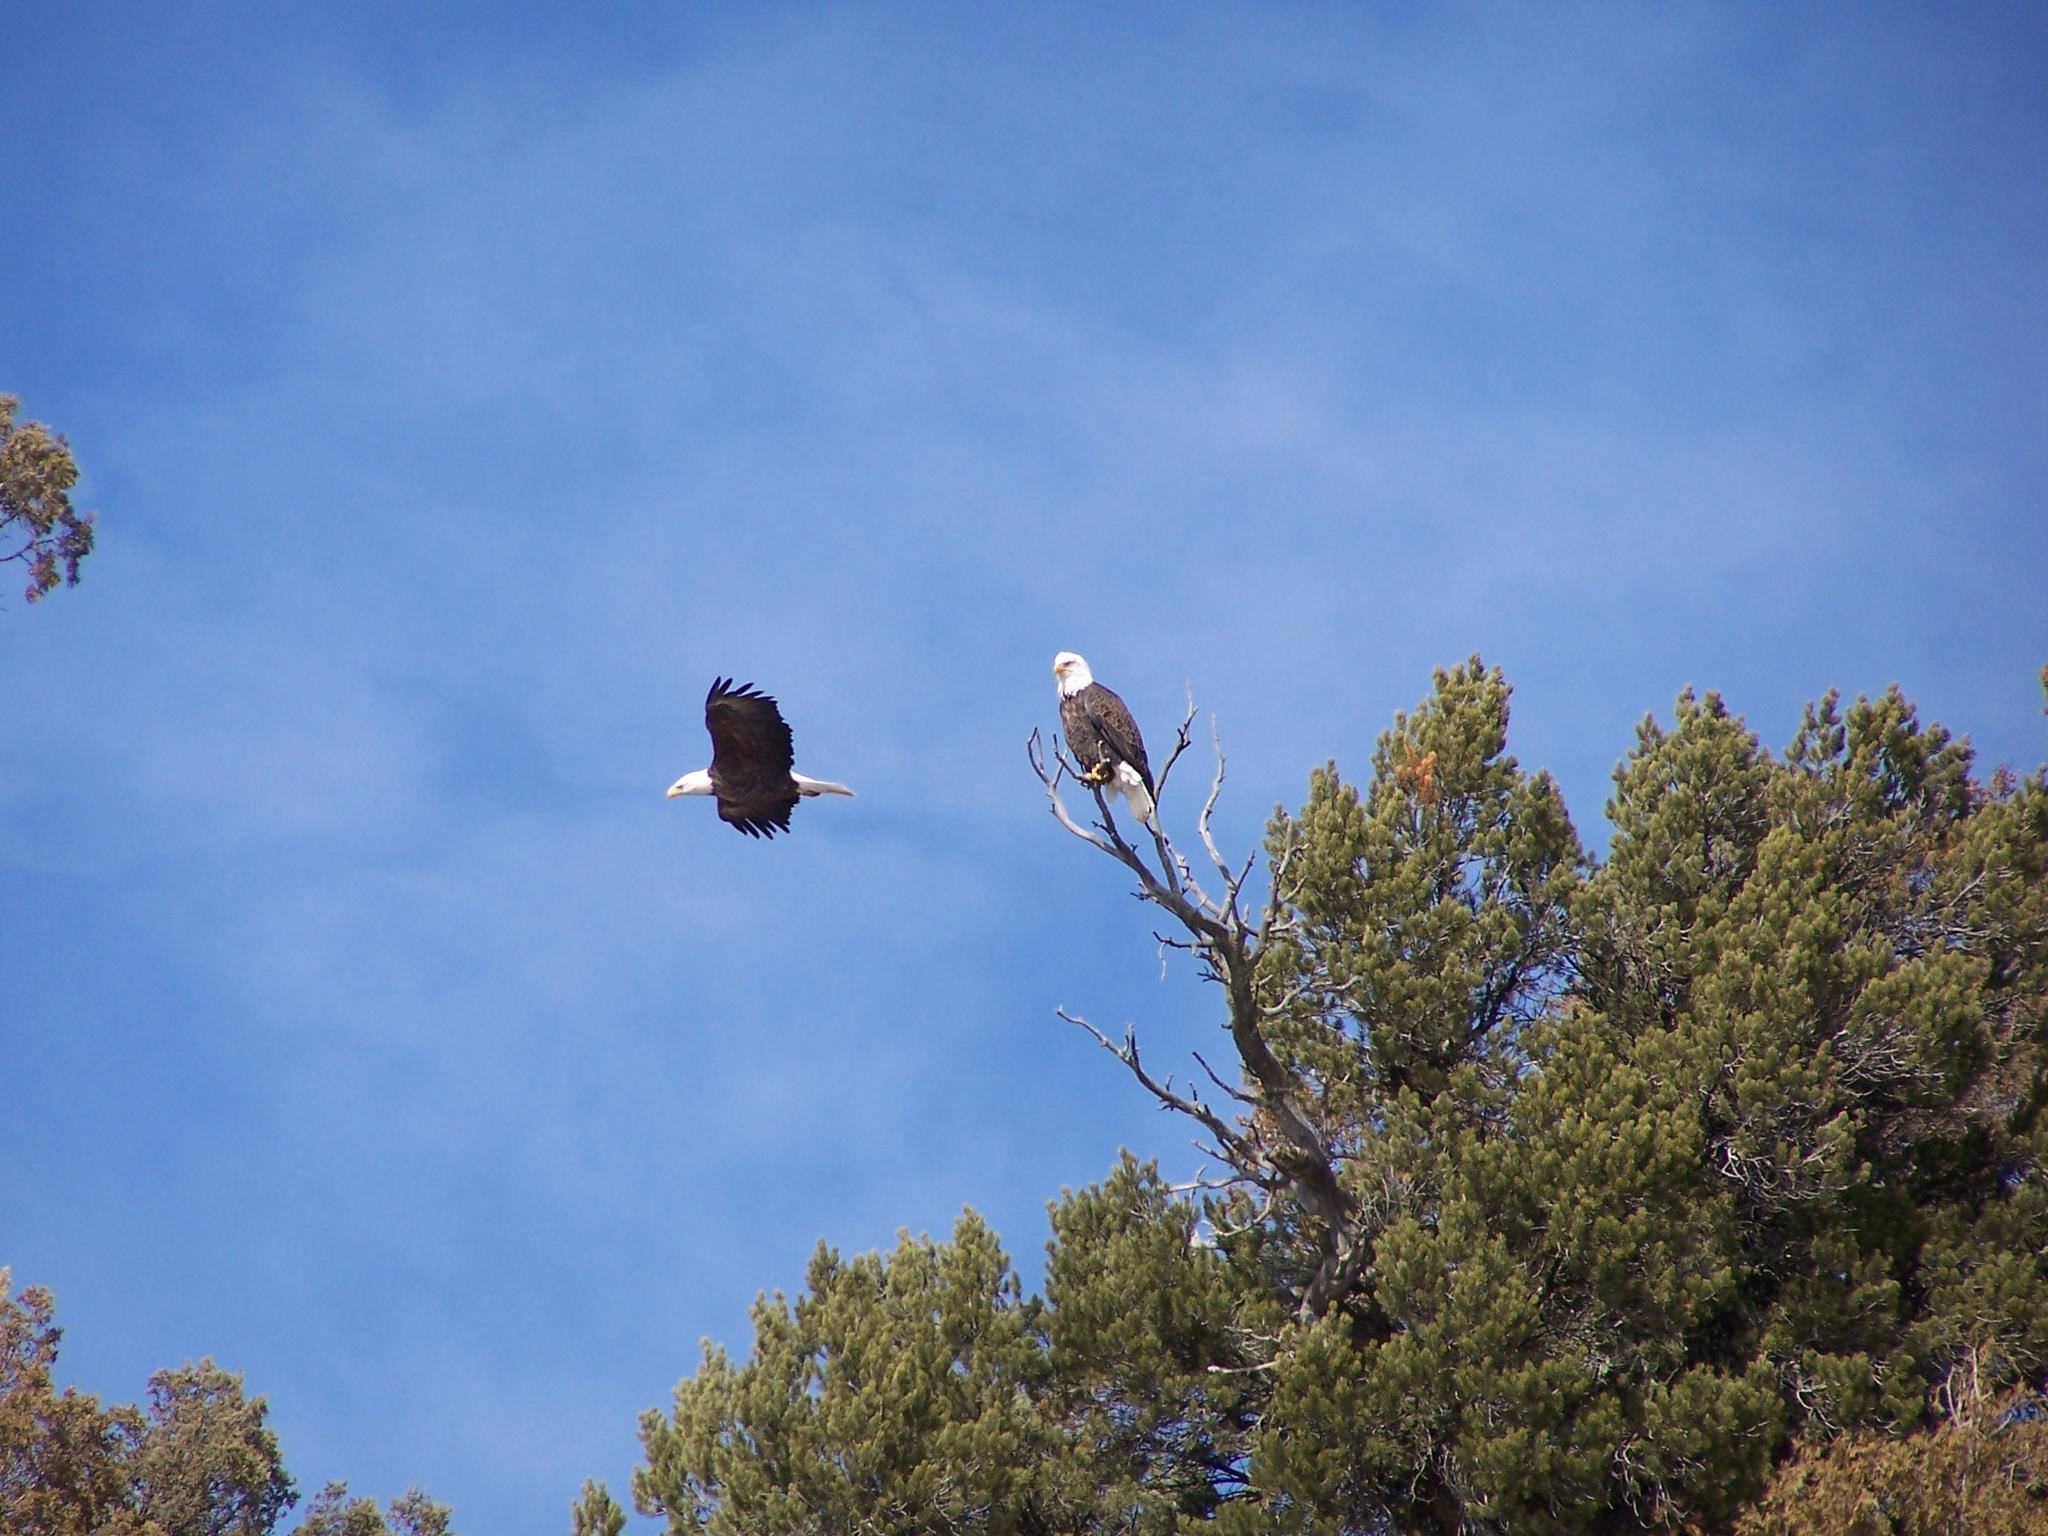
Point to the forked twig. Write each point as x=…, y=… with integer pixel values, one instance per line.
x=1127, y=1053
x=1280, y=1147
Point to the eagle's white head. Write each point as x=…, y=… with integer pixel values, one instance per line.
x=1072, y=672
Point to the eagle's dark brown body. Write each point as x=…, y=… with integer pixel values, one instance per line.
x=1103, y=738
x=751, y=756
x=1101, y=733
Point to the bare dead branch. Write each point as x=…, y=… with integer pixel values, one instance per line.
x=1194, y=1108
x=1209, y=805
x=1274, y=1144
x=1262, y=1211
x=1278, y=898
x=1236, y=1093
x=1170, y=862
x=1199, y=1181
x=1180, y=745
x=1278, y=1006
x=1237, y=881
x=1050, y=778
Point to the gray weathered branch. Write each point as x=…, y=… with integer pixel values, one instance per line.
x=1275, y=1143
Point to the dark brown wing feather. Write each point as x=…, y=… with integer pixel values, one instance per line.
x=1099, y=725
x=751, y=753
x=1084, y=741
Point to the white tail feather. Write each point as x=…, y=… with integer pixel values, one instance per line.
x=1135, y=793
x=806, y=785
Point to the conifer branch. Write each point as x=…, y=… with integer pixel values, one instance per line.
x=1261, y=1214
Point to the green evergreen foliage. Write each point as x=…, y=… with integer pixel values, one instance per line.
x=63, y=1459
x=1155, y=1336
x=38, y=525
x=1562, y=1194
x=208, y=1464
x=596, y=1512
x=201, y=1461
x=334, y=1513
x=898, y=1392
x=1982, y=1470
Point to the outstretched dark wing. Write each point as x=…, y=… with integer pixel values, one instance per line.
x=750, y=758
x=1110, y=718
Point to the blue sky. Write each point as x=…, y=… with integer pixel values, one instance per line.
x=459, y=394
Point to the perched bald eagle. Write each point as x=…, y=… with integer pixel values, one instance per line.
x=750, y=758
x=1102, y=735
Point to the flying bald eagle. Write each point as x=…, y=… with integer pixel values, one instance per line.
x=1102, y=735
x=750, y=758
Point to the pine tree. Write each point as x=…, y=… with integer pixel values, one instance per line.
x=63, y=1459
x=899, y=1394
x=334, y=1513
x=596, y=1512
x=208, y=1464
x=201, y=1461
x=38, y=524
x=1562, y=1194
